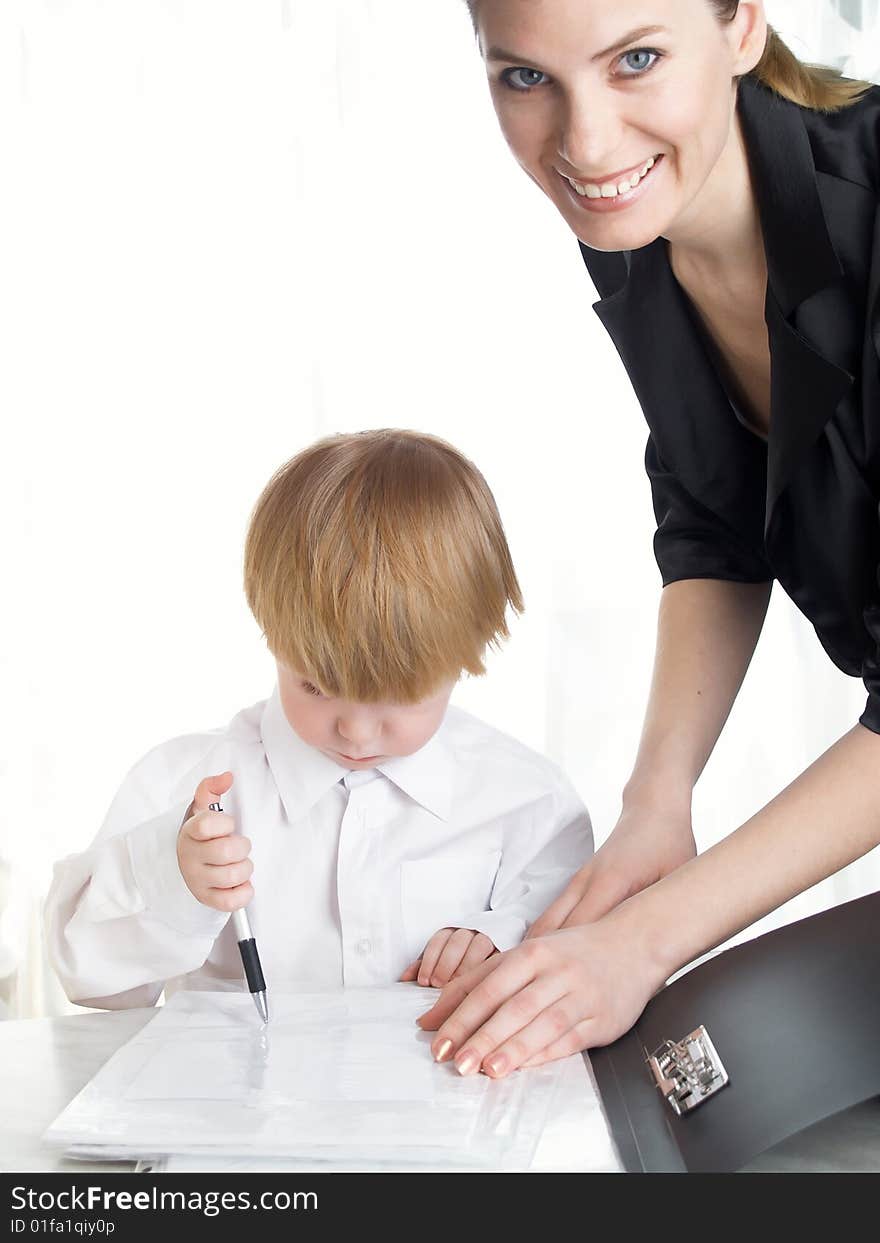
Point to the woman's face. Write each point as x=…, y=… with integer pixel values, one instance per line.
x=621, y=109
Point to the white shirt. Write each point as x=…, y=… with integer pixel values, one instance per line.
x=353, y=870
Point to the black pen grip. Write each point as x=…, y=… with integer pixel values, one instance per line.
x=252, y=969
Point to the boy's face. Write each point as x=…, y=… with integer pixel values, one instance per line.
x=358, y=735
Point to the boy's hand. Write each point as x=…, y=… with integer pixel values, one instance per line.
x=213, y=859
x=449, y=953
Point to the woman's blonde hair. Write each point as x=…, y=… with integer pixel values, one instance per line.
x=811, y=86
x=376, y=565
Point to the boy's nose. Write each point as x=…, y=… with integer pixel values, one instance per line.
x=356, y=730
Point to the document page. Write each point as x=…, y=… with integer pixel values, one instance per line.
x=336, y=1077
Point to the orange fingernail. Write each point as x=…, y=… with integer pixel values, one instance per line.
x=443, y=1051
x=469, y=1062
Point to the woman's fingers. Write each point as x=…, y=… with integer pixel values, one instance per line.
x=601, y=895
x=592, y=893
x=499, y=991
x=580, y=1037
x=532, y=1016
x=455, y=992
x=513, y=1054
x=559, y=910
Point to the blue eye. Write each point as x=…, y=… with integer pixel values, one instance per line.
x=640, y=60
x=528, y=78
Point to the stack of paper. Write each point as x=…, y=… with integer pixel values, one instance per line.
x=342, y=1078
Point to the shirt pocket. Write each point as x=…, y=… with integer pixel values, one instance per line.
x=444, y=893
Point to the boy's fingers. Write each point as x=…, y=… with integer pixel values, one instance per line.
x=453, y=953
x=478, y=951
x=210, y=789
x=229, y=876
x=431, y=953
x=229, y=899
x=219, y=851
x=204, y=826
x=412, y=971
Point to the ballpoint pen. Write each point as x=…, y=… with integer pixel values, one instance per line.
x=250, y=958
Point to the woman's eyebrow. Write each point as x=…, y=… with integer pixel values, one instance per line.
x=499, y=53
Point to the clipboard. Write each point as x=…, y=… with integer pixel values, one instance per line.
x=792, y=1020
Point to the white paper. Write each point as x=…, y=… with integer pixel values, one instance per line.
x=341, y=1076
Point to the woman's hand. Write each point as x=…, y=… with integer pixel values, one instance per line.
x=547, y=998
x=645, y=845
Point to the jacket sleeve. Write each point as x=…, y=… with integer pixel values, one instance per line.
x=693, y=542
x=120, y=919
x=870, y=718
x=543, y=848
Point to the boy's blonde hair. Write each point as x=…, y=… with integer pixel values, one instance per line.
x=376, y=565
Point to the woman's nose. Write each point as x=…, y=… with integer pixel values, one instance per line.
x=590, y=135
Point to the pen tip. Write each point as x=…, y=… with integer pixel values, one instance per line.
x=262, y=1006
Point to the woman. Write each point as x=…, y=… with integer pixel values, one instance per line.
x=726, y=202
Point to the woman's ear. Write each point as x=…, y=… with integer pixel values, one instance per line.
x=747, y=35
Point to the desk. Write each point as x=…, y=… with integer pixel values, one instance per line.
x=47, y=1061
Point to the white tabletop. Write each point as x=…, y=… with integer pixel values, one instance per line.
x=46, y=1062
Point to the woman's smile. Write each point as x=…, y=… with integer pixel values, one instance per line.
x=615, y=193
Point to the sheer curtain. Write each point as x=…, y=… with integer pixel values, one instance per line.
x=235, y=227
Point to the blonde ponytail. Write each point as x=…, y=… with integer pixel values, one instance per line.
x=811, y=86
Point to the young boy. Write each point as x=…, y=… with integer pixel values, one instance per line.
x=389, y=836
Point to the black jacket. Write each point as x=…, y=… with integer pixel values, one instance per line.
x=803, y=508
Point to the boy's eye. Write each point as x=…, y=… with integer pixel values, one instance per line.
x=522, y=79
x=639, y=61
x=310, y=689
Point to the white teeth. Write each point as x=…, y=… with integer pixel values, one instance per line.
x=609, y=190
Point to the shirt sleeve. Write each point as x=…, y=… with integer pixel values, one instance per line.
x=693, y=542
x=543, y=847
x=120, y=919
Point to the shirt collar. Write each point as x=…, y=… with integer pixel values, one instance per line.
x=426, y=775
x=304, y=775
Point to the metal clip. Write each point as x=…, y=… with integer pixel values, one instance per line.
x=688, y=1071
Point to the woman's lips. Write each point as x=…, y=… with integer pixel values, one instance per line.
x=620, y=201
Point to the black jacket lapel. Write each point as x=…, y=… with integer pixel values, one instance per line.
x=650, y=321
x=803, y=271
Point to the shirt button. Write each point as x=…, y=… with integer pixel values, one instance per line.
x=363, y=946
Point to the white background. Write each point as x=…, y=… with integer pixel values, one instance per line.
x=229, y=227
